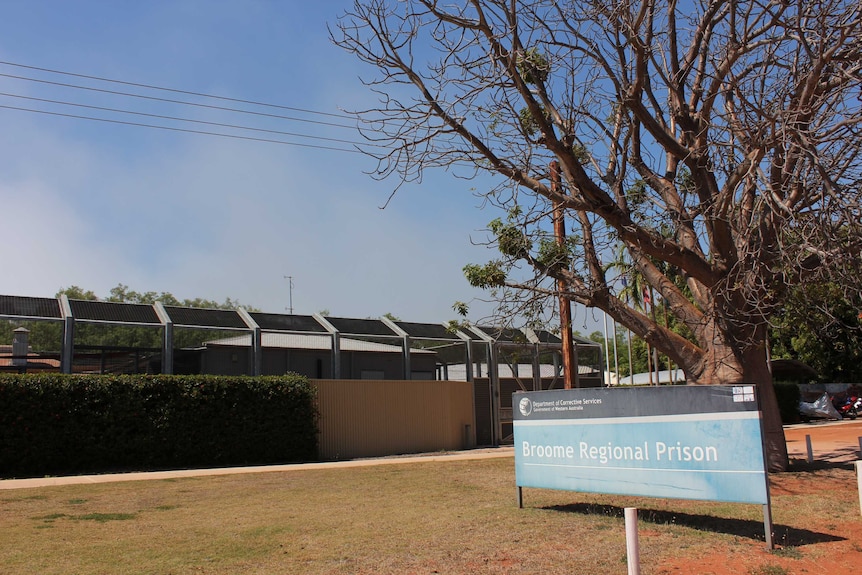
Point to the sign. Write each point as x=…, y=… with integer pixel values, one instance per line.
x=684, y=442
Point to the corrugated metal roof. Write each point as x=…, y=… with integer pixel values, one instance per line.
x=29, y=307
x=198, y=317
x=310, y=342
x=360, y=326
x=502, y=334
x=135, y=313
x=663, y=377
x=516, y=336
x=525, y=370
x=427, y=330
x=34, y=360
x=18, y=307
x=547, y=337
x=281, y=322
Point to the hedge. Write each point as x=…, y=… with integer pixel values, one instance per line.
x=55, y=424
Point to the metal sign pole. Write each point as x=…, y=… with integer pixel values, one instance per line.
x=859, y=481
x=768, y=529
x=632, y=544
x=767, y=525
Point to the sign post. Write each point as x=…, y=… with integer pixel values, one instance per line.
x=632, y=546
x=683, y=442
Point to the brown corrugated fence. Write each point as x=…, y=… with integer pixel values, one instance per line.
x=371, y=418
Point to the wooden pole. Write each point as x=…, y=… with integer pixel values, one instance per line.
x=569, y=364
x=570, y=367
x=654, y=349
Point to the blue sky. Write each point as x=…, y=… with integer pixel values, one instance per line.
x=95, y=204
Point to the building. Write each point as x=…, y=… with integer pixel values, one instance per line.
x=310, y=355
x=83, y=336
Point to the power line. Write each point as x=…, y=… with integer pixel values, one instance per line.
x=365, y=144
x=175, y=118
x=173, y=129
x=171, y=101
x=177, y=91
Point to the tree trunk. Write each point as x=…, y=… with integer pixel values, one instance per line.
x=756, y=369
x=751, y=367
x=773, y=430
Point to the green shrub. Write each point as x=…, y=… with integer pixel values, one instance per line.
x=53, y=424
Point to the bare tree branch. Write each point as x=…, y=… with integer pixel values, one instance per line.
x=716, y=142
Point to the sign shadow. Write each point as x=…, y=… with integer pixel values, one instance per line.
x=784, y=535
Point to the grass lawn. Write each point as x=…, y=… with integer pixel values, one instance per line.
x=436, y=517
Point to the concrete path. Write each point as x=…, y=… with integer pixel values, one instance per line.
x=148, y=476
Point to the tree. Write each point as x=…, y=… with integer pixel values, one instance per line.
x=719, y=137
x=819, y=327
x=122, y=294
x=75, y=292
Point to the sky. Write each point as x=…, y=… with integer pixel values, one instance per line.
x=96, y=204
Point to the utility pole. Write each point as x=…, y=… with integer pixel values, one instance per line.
x=290, y=291
x=570, y=364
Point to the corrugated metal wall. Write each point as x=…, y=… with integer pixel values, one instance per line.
x=367, y=418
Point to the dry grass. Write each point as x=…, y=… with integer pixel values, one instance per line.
x=437, y=517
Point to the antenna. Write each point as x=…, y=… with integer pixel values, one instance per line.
x=290, y=290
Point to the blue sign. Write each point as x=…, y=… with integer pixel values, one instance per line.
x=685, y=442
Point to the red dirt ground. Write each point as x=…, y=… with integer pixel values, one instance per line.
x=834, y=446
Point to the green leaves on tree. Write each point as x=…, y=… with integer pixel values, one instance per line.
x=490, y=275
x=528, y=122
x=636, y=195
x=820, y=326
x=553, y=255
x=461, y=308
x=582, y=155
x=510, y=239
x=533, y=66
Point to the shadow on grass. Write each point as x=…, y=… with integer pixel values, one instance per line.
x=840, y=459
x=783, y=535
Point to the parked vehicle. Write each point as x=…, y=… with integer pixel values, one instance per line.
x=847, y=406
